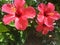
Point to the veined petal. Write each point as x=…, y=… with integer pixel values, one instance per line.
x=40, y=18
x=8, y=18
x=48, y=21
x=39, y=23
x=29, y=12
x=45, y=30
x=50, y=7
x=39, y=28
x=56, y=16
x=51, y=28
x=41, y=7
x=19, y=3
x=8, y=8
x=21, y=24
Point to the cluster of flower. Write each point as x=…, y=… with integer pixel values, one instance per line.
x=20, y=14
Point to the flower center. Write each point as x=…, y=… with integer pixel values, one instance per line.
x=48, y=14
x=18, y=14
x=45, y=14
x=16, y=11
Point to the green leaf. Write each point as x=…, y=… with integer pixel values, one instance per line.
x=0, y=22
x=12, y=24
x=3, y=28
x=1, y=37
x=31, y=2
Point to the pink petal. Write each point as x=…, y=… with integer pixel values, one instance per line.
x=45, y=30
x=56, y=16
x=48, y=21
x=8, y=18
x=19, y=3
x=29, y=12
x=50, y=7
x=7, y=8
x=51, y=28
x=41, y=7
x=39, y=23
x=40, y=18
x=39, y=28
x=21, y=24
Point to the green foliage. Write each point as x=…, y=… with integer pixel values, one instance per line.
x=3, y=28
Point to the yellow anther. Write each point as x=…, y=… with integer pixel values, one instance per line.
x=13, y=9
x=51, y=14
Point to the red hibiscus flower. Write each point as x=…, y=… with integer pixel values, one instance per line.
x=18, y=13
x=47, y=15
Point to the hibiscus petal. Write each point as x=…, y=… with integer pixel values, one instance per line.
x=39, y=23
x=21, y=24
x=7, y=8
x=56, y=16
x=50, y=7
x=39, y=28
x=51, y=28
x=40, y=18
x=8, y=18
x=45, y=30
x=41, y=7
x=48, y=21
x=19, y=3
x=29, y=12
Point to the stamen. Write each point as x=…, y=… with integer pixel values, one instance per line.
x=51, y=14
x=13, y=9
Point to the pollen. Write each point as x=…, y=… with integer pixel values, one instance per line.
x=51, y=14
x=13, y=9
